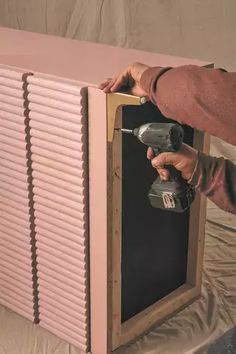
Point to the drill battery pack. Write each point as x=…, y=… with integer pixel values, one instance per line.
x=171, y=196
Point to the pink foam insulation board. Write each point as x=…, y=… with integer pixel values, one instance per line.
x=86, y=62
x=58, y=145
x=16, y=257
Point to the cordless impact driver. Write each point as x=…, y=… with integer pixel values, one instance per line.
x=175, y=194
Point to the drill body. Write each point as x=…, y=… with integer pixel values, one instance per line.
x=175, y=194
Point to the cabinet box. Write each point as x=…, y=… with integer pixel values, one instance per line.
x=82, y=252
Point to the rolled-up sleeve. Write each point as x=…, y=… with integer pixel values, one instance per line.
x=203, y=98
x=216, y=178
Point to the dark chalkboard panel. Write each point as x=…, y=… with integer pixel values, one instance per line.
x=154, y=242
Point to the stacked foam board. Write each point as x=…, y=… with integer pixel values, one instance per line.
x=58, y=129
x=18, y=289
x=43, y=225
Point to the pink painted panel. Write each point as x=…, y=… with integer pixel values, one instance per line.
x=58, y=251
x=11, y=227
x=56, y=86
x=12, y=75
x=11, y=91
x=16, y=283
x=59, y=185
x=11, y=141
x=98, y=221
x=54, y=274
x=78, y=170
x=56, y=95
x=61, y=195
x=20, y=293
x=69, y=293
x=53, y=112
x=58, y=122
x=67, y=337
x=12, y=108
x=8, y=231
x=16, y=246
x=19, y=241
x=13, y=173
x=12, y=134
x=14, y=126
x=62, y=232
x=8, y=82
x=59, y=140
x=77, y=60
x=11, y=181
x=79, y=323
x=12, y=149
x=62, y=319
x=19, y=270
x=62, y=216
x=54, y=103
x=13, y=196
x=22, y=261
x=57, y=148
x=68, y=245
x=51, y=129
x=11, y=117
x=11, y=100
x=51, y=219
x=14, y=219
x=77, y=212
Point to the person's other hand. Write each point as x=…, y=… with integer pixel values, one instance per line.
x=128, y=79
x=183, y=160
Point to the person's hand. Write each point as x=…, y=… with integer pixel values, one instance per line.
x=183, y=160
x=128, y=79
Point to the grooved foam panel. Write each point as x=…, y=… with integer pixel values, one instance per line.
x=58, y=136
x=16, y=266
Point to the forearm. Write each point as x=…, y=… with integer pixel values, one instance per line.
x=216, y=178
x=200, y=97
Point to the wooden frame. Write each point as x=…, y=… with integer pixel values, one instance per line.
x=123, y=333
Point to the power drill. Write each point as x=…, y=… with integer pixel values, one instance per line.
x=175, y=194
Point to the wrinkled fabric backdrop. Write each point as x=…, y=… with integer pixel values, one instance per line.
x=189, y=28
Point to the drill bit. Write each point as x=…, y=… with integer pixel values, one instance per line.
x=126, y=131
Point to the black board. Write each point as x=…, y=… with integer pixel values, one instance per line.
x=154, y=242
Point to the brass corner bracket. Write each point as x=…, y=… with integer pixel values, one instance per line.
x=114, y=101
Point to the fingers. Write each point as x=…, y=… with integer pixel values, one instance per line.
x=166, y=158
x=106, y=85
x=164, y=174
x=121, y=81
x=160, y=161
x=150, y=154
x=185, y=161
x=128, y=79
x=113, y=85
